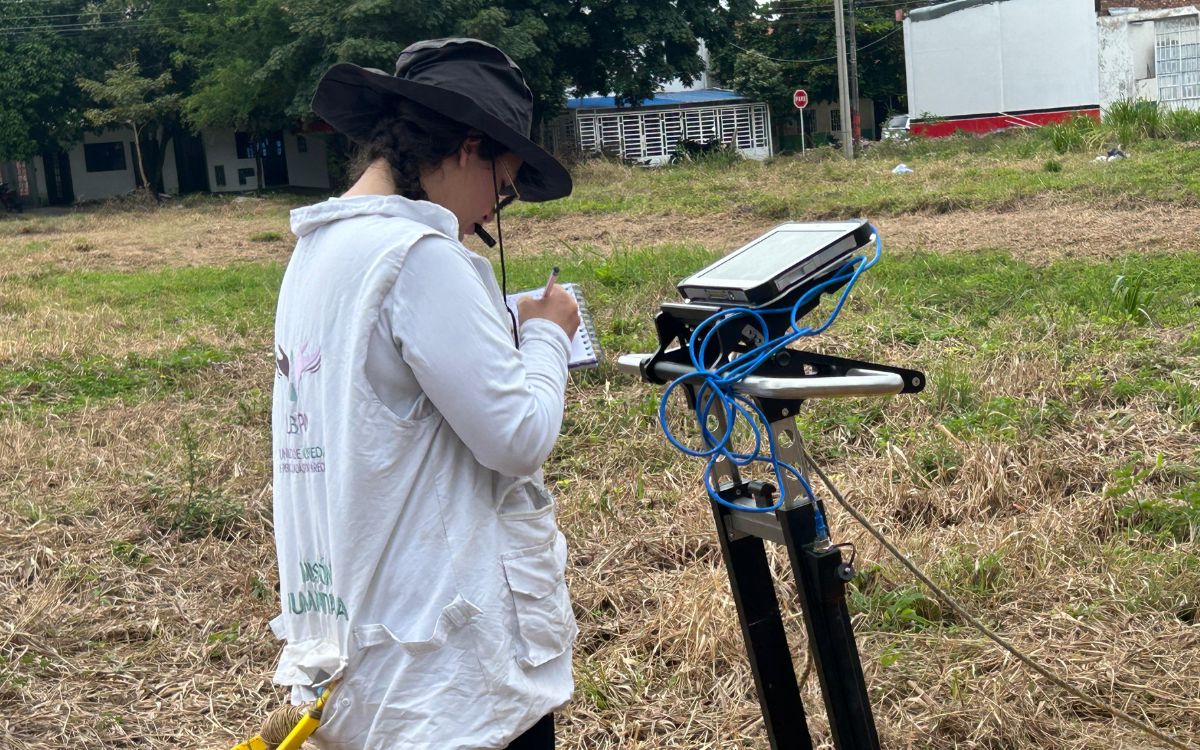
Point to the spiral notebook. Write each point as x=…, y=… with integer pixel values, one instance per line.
x=585, y=347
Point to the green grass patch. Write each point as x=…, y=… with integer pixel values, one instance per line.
x=1164, y=578
x=63, y=385
x=190, y=505
x=985, y=576
x=240, y=296
x=893, y=607
x=936, y=463
x=977, y=288
x=967, y=171
x=1175, y=518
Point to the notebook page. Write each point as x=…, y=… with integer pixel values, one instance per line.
x=583, y=345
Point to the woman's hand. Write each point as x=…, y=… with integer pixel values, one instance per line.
x=559, y=306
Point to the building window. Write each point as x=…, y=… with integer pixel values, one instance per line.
x=244, y=145
x=1177, y=62
x=244, y=175
x=835, y=120
x=301, y=144
x=219, y=172
x=656, y=134
x=104, y=157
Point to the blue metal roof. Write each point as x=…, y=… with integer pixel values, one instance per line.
x=661, y=99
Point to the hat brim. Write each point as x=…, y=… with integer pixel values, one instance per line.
x=350, y=99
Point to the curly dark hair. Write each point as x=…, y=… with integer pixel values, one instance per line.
x=412, y=137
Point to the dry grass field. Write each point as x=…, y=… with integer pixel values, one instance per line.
x=1049, y=476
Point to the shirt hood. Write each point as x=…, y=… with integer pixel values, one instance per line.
x=308, y=219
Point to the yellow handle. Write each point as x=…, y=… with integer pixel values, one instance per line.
x=300, y=732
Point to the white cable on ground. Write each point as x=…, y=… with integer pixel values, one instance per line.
x=974, y=622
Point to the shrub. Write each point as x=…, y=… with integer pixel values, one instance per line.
x=1134, y=120
x=1080, y=133
x=1182, y=124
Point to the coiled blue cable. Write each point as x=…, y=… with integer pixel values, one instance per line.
x=716, y=386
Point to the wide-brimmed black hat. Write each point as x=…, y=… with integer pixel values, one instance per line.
x=466, y=80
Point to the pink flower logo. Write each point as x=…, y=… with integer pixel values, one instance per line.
x=297, y=366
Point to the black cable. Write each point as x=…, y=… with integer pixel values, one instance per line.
x=984, y=629
x=503, y=270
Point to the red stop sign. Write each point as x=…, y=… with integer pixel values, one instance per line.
x=800, y=98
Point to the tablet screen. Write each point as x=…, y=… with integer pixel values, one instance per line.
x=778, y=250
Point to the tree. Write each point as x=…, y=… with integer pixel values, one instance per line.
x=127, y=98
x=626, y=47
x=38, y=103
x=260, y=57
x=149, y=28
x=783, y=49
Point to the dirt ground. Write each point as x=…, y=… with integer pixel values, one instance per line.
x=1040, y=233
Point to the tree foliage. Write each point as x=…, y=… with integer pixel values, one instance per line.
x=38, y=103
x=261, y=59
x=128, y=98
x=254, y=64
x=781, y=51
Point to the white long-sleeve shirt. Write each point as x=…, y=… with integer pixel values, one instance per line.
x=512, y=417
x=419, y=559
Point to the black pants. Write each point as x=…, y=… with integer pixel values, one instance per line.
x=539, y=737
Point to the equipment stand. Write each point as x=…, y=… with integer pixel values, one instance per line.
x=821, y=574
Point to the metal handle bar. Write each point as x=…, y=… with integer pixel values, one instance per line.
x=859, y=382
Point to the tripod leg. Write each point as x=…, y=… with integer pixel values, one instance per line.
x=821, y=584
x=766, y=641
x=822, y=588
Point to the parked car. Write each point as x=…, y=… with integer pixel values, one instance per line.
x=897, y=127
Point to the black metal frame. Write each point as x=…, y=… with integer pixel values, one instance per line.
x=817, y=564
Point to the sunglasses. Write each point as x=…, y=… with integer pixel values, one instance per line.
x=504, y=197
x=508, y=193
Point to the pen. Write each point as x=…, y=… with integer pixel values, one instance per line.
x=550, y=282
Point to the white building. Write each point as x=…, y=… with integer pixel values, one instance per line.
x=104, y=165
x=979, y=65
x=649, y=132
x=1152, y=55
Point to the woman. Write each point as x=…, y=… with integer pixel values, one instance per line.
x=421, y=568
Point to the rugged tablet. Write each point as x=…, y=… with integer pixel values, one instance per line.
x=788, y=257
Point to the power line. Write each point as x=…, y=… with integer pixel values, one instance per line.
x=80, y=14
x=798, y=5
x=819, y=59
x=821, y=9
x=822, y=14
x=66, y=28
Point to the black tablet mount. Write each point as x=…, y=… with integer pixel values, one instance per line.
x=779, y=387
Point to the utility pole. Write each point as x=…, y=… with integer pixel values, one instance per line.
x=843, y=86
x=855, y=115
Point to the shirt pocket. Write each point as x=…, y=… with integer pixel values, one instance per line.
x=545, y=624
x=454, y=616
x=389, y=674
x=526, y=513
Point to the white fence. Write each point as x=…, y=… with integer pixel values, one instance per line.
x=650, y=136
